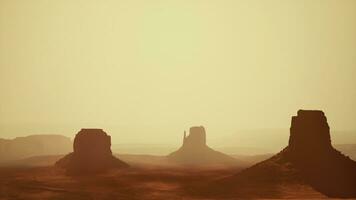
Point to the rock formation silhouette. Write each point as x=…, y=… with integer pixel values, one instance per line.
x=310, y=150
x=195, y=151
x=92, y=154
x=309, y=130
x=34, y=145
x=309, y=159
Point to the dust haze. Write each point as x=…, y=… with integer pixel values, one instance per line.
x=145, y=70
x=177, y=99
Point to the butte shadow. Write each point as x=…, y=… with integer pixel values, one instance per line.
x=309, y=162
x=92, y=154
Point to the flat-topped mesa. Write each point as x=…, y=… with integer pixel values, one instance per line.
x=309, y=132
x=92, y=154
x=92, y=142
x=196, y=137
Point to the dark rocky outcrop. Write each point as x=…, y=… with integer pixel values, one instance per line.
x=322, y=166
x=309, y=159
x=309, y=130
x=195, y=151
x=347, y=149
x=33, y=145
x=92, y=154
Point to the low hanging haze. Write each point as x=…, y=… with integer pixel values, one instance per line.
x=145, y=71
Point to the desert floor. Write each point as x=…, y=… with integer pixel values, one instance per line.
x=134, y=183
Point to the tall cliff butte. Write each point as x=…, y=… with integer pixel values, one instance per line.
x=196, y=138
x=311, y=151
x=195, y=151
x=308, y=159
x=309, y=131
x=92, y=154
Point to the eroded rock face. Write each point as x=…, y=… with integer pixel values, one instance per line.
x=196, y=137
x=93, y=143
x=308, y=159
x=311, y=152
x=309, y=131
x=92, y=153
x=195, y=151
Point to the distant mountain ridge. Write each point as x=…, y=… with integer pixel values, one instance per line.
x=33, y=145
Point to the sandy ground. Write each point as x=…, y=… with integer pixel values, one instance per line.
x=135, y=183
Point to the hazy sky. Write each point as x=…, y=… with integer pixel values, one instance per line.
x=146, y=70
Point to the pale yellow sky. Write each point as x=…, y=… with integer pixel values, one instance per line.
x=146, y=70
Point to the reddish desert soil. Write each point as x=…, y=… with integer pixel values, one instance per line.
x=134, y=183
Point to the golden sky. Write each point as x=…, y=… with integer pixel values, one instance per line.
x=146, y=70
